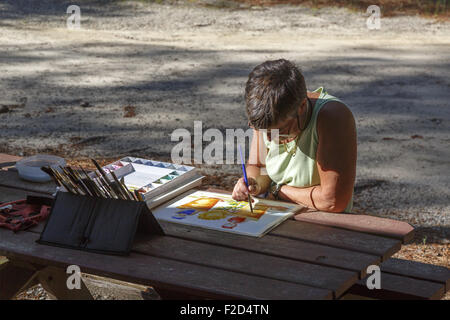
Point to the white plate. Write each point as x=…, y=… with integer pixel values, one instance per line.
x=30, y=168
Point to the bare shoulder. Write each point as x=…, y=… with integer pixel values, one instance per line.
x=335, y=114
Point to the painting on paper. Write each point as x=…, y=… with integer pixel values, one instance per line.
x=220, y=212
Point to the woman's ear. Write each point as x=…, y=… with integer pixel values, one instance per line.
x=302, y=108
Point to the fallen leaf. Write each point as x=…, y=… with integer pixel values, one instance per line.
x=4, y=109
x=130, y=111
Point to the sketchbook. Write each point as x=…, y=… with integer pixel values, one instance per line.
x=156, y=181
x=219, y=211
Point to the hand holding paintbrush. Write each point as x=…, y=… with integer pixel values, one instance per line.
x=246, y=186
x=246, y=180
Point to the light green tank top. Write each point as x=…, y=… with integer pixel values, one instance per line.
x=299, y=169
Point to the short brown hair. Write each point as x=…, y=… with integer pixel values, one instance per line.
x=273, y=92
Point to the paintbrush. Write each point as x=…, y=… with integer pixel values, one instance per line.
x=122, y=189
x=246, y=180
x=93, y=186
x=60, y=179
x=66, y=177
x=105, y=176
x=138, y=195
x=87, y=182
x=113, y=186
x=100, y=169
x=85, y=186
x=132, y=195
x=105, y=190
x=77, y=180
x=66, y=182
x=106, y=184
x=49, y=171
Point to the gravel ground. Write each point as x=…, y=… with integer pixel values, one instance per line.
x=100, y=289
x=136, y=71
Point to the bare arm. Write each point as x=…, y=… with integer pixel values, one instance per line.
x=336, y=161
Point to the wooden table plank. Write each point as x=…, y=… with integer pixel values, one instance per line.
x=395, y=287
x=168, y=274
x=8, y=194
x=364, y=223
x=339, y=238
x=252, y=263
x=277, y=246
x=11, y=179
x=418, y=270
x=6, y=160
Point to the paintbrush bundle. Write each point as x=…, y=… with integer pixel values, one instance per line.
x=96, y=223
x=90, y=214
x=97, y=184
x=154, y=181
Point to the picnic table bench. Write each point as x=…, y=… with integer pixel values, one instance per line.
x=309, y=257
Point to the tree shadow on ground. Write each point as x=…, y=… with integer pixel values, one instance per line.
x=20, y=9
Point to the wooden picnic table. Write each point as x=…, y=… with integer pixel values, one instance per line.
x=297, y=260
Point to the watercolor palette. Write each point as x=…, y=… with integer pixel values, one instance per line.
x=151, y=178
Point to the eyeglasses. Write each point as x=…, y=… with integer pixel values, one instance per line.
x=285, y=132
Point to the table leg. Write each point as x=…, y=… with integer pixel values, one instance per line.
x=14, y=278
x=17, y=276
x=54, y=281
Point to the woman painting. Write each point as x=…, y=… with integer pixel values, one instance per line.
x=303, y=148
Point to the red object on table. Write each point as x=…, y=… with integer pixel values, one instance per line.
x=23, y=214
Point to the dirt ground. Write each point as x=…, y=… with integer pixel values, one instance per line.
x=136, y=71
